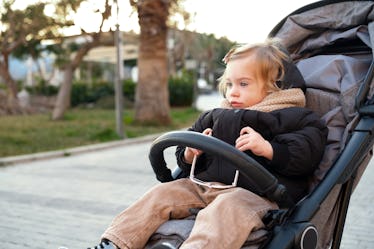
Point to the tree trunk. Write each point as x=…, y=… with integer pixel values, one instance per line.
x=64, y=95
x=10, y=83
x=152, y=95
x=12, y=105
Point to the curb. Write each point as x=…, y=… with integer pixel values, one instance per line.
x=5, y=161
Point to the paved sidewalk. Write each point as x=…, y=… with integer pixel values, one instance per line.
x=69, y=201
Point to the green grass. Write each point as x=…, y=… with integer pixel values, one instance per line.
x=38, y=133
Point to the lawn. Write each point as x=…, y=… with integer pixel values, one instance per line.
x=38, y=133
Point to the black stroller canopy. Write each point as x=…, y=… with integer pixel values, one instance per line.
x=325, y=24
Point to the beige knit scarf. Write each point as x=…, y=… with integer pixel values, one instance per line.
x=293, y=97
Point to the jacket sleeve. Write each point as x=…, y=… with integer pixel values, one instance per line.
x=298, y=137
x=298, y=153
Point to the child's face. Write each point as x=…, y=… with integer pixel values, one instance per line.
x=242, y=87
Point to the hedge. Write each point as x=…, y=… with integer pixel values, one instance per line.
x=180, y=91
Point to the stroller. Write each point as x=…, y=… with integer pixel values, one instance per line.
x=331, y=44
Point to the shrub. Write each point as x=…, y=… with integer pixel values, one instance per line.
x=41, y=88
x=79, y=94
x=83, y=93
x=99, y=90
x=129, y=87
x=181, y=90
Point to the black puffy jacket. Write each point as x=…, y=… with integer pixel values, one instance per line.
x=297, y=136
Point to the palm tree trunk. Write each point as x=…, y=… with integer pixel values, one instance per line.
x=152, y=95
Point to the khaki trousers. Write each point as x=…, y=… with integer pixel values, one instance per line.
x=227, y=218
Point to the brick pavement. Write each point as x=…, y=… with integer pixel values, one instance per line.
x=359, y=228
x=69, y=201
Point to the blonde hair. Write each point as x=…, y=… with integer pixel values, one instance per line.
x=269, y=59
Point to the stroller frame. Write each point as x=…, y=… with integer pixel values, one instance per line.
x=343, y=172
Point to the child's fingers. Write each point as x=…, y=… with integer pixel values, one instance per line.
x=247, y=130
x=243, y=142
x=208, y=131
x=194, y=151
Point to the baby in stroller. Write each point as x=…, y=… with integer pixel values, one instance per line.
x=263, y=115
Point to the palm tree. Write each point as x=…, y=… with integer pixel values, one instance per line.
x=152, y=96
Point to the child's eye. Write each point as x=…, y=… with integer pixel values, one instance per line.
x=228, y=84
x=243, y=83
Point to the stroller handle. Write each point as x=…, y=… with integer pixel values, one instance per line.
x=265, y=183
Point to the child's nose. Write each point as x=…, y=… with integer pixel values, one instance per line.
x=234, y=91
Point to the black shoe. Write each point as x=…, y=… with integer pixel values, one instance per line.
x=105, y=244
x=164, y=245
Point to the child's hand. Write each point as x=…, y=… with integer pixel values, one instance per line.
x=189, y=152
x=251, y=140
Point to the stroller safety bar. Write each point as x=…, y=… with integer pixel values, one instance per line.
x=265, y=183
